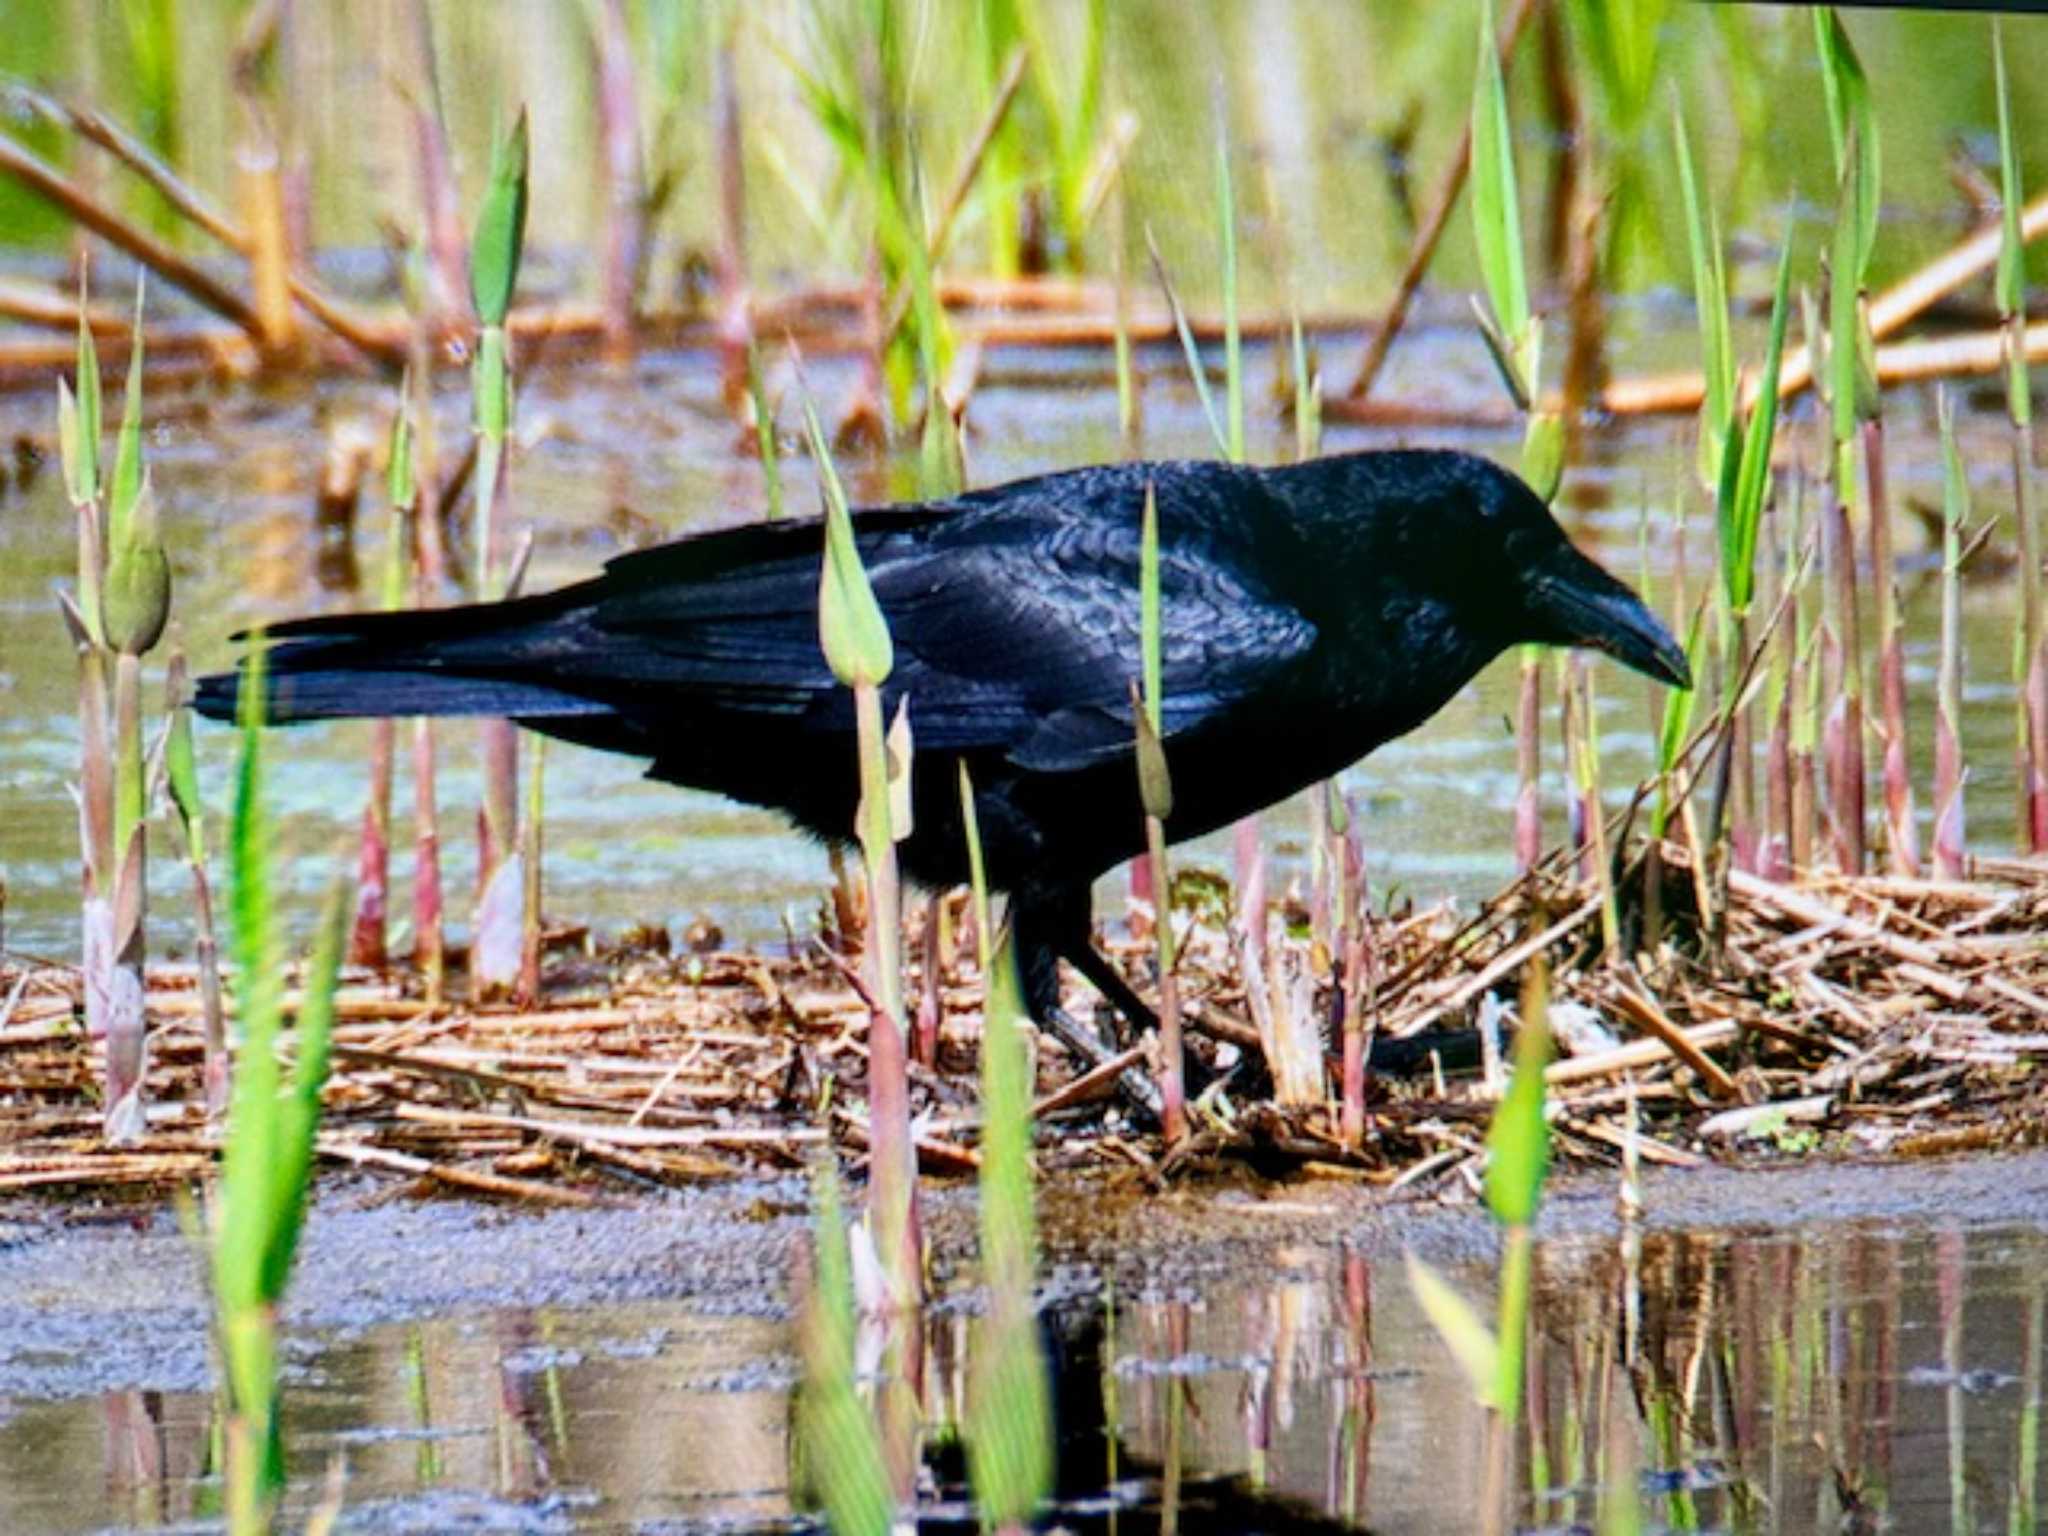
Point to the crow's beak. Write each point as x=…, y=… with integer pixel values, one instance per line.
x=1577, y=603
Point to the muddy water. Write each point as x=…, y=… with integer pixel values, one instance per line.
x=1250, y=1359
x=609, y=465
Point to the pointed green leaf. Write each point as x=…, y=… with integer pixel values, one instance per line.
x=1710, y=299
x=127, y=483
x=2012, y=259
x=851, y=628
x=500, y=228
x=1852, y=120
x=1496, y=209
x=86, y=486
x=1543, y=454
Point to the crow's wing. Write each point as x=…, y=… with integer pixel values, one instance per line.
x=1016, y=626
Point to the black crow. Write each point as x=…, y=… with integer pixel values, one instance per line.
x=1308, y=614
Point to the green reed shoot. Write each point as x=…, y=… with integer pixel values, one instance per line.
x=855, y=637
x=1009, y=1406
x=1741, y=494
x=2030, y=643
x=494, y=276
x=1710, y=300
x=1120, y=278
x=266, y=1169
x=1949, y=839
x=1853, y=401
x=1155, y=791
x=119, y=614
x=844, y=1466
x=1517, y=1160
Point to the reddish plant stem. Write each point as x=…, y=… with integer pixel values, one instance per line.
x=2032, y=765
x=1843, y=736
x=373, y=862
x=1902, y=834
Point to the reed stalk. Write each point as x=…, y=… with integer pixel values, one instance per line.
x=1950, y=841
x=498, y=938
x=1155, y=791
x=855, y=638
x=1514, y=337
x=123, y=604
x=2030, y=641
x=1853, y=399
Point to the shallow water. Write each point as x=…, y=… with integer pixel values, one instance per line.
x=1253, y=1360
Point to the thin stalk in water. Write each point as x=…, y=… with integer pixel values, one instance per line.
x=1950, y=842
x=855, y=638
x=496, y=945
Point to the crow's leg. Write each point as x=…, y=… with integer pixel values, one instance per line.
x=1041, y=924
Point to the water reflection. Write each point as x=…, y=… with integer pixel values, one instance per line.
x=1862, y=1379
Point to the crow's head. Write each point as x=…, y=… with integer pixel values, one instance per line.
x=1498, y=542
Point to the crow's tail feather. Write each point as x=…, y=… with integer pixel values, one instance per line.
x=475, y=660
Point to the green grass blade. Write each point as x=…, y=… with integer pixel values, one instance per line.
x=1233, y=351
x=127, y=482
x=1852, y=120
x=1746, y=476
x=1496, y=210
x=1710, y=297
x=1189, y=350
x=2012, y=252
